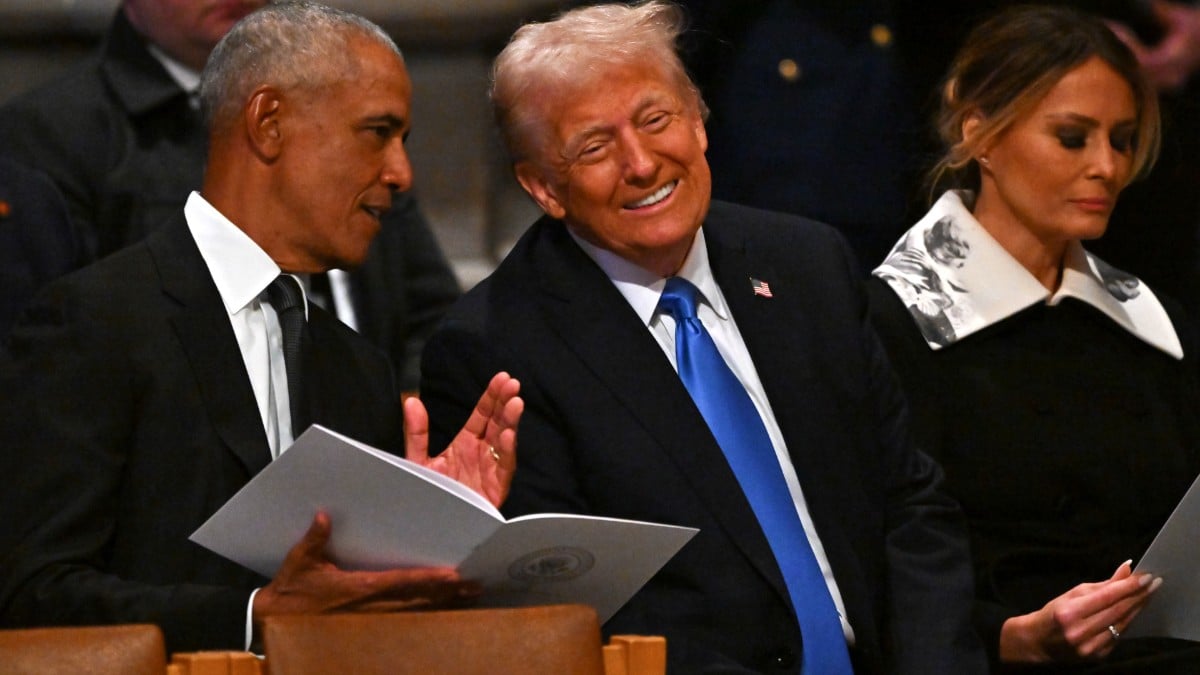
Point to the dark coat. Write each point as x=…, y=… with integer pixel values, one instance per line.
x=1067, y=440
x=37, y=241
x=610, y=430
x=126, y=420
x=118, y=137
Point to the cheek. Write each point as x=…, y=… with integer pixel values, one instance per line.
x=591, y=188
x=1124, y=171
x=1035, y=172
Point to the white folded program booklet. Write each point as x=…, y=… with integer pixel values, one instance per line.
x=387, y=512
x=1174, y=609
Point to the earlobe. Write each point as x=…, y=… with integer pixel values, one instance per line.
x=534, y=182
x=261, y=117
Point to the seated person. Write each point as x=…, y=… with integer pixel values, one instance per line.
x=139, y=394
x=825, y=544
x=1059, y=394
x=121, y=136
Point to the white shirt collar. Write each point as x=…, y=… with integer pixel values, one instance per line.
x=239, y=267
x=186, y=78
x=957, y=280
x=643, y=288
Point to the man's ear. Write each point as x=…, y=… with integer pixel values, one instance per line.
x=700, y=131
x=533, y=180
x=261, y=118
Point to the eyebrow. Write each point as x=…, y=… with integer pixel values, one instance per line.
x=1090, y=122
x=579, y=138
x=386, y=118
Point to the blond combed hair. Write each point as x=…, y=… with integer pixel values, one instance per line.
x=550, y=59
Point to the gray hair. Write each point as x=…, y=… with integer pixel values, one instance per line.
x=547, y=59
x=290, y=45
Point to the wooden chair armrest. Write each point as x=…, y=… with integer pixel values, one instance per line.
x=635, y=655
x=215, y=663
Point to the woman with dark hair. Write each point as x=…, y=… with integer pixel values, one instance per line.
x=1062, y=410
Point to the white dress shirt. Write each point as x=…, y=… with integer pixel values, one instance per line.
x=642, y=289
x=242, y=271
x=339, y=280
x=187, y=79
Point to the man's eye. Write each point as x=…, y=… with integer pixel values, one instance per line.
x=657, y=121
x=592, y=151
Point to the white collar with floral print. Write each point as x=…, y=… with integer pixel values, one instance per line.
x=956, y=280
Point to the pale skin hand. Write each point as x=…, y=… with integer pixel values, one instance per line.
x=1074, y=626
x=493, y=424
x=309, y=583
x=1169, y=63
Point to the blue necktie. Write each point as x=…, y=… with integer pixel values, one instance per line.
x=734, y=422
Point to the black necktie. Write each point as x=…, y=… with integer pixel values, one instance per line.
x=288, y=300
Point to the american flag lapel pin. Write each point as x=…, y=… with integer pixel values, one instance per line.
x=760, y=287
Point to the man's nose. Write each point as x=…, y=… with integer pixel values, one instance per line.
x=397, y=169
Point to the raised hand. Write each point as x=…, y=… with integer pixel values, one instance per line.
x=483, y=455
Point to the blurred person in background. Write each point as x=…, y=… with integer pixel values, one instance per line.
x=121, y=136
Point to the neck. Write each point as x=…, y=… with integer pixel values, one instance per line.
x=1043, y=259
x=236, y=189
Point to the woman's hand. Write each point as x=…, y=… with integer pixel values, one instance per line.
x=1075, y=625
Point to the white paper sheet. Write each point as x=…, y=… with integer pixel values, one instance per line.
x=388, y=512
x=1174, y=609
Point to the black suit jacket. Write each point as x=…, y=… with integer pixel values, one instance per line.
x=116, y=134
x=126, y=420
x=37, y=241
x=610, y=430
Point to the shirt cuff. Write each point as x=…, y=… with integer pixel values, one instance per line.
x=250, y=619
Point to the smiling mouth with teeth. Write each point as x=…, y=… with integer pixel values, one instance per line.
x=659, y=195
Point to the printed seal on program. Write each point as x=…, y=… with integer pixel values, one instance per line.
x=561, y=563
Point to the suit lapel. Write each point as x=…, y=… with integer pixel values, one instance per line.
x=341, y=395
x=779, y=337
x=594, y=320
x=208, y=341
x=774, y=335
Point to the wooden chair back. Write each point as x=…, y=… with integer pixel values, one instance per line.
x=560, y=639
x=135, y=649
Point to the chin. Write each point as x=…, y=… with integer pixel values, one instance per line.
x=348, y=262
x=1095, y=230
